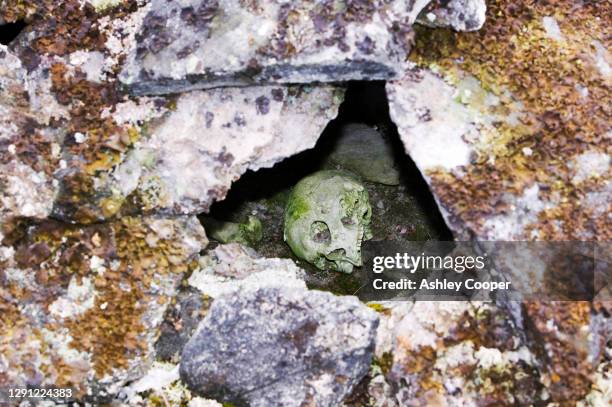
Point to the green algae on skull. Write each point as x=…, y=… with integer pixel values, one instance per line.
x=327, y=217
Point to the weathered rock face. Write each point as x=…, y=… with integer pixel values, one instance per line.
x=511, y=134
x=192, y=156
x=460, y=15
x=301, y=347
x=81, y=307
x=30, y=139
x=233, y=267
x=196, y=44
x=436, y=344
x=74, y=146
x=461, y=353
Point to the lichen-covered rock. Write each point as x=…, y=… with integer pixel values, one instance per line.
x=81, y=306
x=580, y=338
x=517, y=132
x=512, y=134
x=461, y=15
x=454, y=353
x=30, y=139
x=463, y=353
x=233, y=268
x=195, y=44
x=210, y=138
x=327, y=218
x=78, y=148
x=299, y=348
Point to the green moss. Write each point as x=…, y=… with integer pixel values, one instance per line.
x=385, y=362
x=297, y=208
x=251, y=230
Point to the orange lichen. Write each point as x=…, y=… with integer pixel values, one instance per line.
x=567, y=362
x=512, y=53
x=114, y=331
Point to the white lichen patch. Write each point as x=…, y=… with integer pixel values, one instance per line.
x=524, y=211
x=602, y=59
x=553, y=31
x=79, y=298
x=135, y=111
x=92, y=63
x=429, y=115
x=233, y=267
x=590, y=164
x=26, y=193
x=161, y=381
x=158, y=377
x=601, y=395
x=427, y=322
x=60, y=342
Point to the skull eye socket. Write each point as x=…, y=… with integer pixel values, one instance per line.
x=319, y=232
x=347, y=221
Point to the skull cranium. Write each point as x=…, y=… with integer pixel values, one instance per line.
x=326, y=219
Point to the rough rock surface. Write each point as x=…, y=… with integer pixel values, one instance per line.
x=510, y=126
x=461, y=15
x=213, y=137
x=80, y=306
x=302, y=348
x=268, y=42
x=511, y=134
x=366, y=152
x=462, y=353
x=234, y=267
x=75, y=147
x=30, y=140
x=513, y=137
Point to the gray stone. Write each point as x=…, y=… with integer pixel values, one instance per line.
x=280, y=347
x=366, y=152
x=196, y=44
x=460, y=15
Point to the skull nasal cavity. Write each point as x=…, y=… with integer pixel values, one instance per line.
x=319, y=231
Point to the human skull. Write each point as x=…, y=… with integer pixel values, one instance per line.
x=326, y=219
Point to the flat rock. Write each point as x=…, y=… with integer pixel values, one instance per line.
x=81, y=306
x=233, y=267
x=364, y=151
x=195, y=44
x=301, y=348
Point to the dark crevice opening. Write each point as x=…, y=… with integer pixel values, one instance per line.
x=256, y=192
x=10, y=31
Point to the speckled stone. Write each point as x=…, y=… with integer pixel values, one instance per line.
x=280, y=347
x=195, y=44
x=81, y=306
